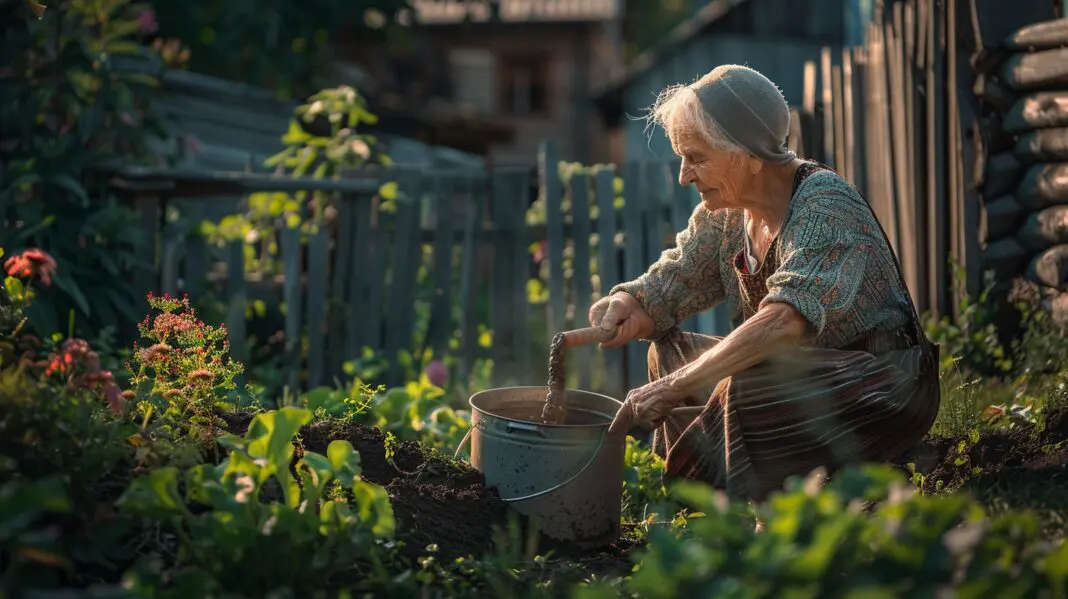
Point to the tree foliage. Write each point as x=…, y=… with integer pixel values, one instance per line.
x=279, y=44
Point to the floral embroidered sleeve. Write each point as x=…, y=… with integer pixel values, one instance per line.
x=686, y=279
x=823, y=264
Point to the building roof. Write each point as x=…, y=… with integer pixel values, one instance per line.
x=609, y=96
x=235, y=127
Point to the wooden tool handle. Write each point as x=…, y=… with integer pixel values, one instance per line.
x=587, y=336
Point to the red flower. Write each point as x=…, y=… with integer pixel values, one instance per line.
x=30, y=263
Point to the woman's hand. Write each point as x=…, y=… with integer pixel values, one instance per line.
x=620, y=311
x=648, y=405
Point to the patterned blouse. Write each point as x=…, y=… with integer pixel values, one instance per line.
x=834, y=267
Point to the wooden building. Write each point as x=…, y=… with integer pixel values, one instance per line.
x=523, y=70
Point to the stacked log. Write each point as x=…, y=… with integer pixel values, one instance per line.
x=1022, y=84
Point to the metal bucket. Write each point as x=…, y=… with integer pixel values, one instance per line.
x=567, y=477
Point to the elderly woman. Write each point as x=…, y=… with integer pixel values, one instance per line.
x=827, y=363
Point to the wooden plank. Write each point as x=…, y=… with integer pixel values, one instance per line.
x=969, y=195
x=936, y=162
x=657, y=191
x=406, y=254
x=237, y=296
x=915, y=17
x=608, y=270
x=291, y=292
x=828, y=108
x=635, y=194
x=317, y=287
x=549, y=182
x=838, y=113
x=518, y=190
x=504, y=286
x=580, y=214
x=468, y=319
x=953, y=143
x=849, y=119
x=441, y=325
x=341, y=282
x=375, y=270
x=359, y=281
x=899, y=142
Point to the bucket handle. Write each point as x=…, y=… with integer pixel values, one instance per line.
x=593, y=458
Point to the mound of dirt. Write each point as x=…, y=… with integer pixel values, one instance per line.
x=998, y=458
x=436, y=500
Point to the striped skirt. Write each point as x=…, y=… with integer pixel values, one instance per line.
x=805, y=409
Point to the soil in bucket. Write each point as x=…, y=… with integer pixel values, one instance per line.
x=567, y=476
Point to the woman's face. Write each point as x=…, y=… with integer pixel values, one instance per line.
x=719, y=176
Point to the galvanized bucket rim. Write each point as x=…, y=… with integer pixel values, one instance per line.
x=608, y=422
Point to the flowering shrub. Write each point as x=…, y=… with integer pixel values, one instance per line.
x=79, y=366
x=32, y=263
x=185, y=370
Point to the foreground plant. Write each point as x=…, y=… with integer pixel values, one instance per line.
x=185, y=371
x=253, y=526
x=826, y=541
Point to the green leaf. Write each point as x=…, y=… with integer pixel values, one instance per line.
x=388, y=191
x=296, y=135
x=374, y=508
x=319, y=397
x=154, y=494
x=14, y=287
x=270, y=436
x=345, y=461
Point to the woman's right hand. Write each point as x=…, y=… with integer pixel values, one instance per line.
x=620, y=311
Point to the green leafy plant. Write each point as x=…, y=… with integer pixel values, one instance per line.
x=267, y=519
x=76, y=97
x=822, y=541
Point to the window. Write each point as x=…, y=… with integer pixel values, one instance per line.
x=524, y=85
x=473, y=78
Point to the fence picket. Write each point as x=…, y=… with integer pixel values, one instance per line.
x=342, y=251
x=235, y=305
x=441, y=327
x=608, y=273
x=316, y=289
x=634, y=193
x=503, y=299
x=407, y=251
x=359, y=278
x=549, y=180
x=580, y=238
x=291, y=291
x=517, y=188
x=468, y=255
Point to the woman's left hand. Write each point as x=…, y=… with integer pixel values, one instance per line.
x=648, y=405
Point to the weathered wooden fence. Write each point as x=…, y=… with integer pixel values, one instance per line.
x=888, y=115
x=460, y=242
x=913, y=117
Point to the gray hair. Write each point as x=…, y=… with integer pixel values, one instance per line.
x=678, y=110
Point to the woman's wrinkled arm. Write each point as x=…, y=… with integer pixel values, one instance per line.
x=774, y=328
x=686, y=279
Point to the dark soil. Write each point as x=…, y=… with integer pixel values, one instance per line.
x=1007, y=468
x=437, y=500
